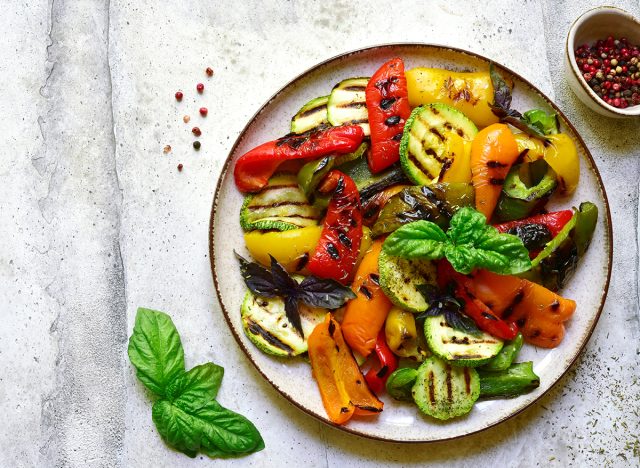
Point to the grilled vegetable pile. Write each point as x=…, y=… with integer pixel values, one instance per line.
x=400, y=239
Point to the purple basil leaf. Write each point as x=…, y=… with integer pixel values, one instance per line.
x=286, y=285
x=325, y=293
x=501, y=105
x=257, y=278
x=293, y=315
x=501, y=90
x=461, y=322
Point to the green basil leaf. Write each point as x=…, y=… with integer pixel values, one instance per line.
x=176, y=427
x=201, y=383
x=209, y=428
x=467, y=226
x=155, y=350
x=462, y=258
x=504, y=254
x=420, y=239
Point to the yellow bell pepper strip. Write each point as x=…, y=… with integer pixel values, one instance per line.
x=559, y=151
x=561, y=154
x=529, y=148
x=364, y=316
x=471, y=93
x=493, y=151
x=401, y=334
x=291, y=248
x=460, y=169
x=539, y=313
x=342, y=386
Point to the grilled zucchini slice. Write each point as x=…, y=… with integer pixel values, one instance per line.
x=280, y=206
x=457, y=347
x=347, y=104
x=265, y=323
x=424, y=148
x=444, y=391
x=311, y=116
x=400, y=277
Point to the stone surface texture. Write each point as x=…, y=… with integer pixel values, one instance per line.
x=97, y=220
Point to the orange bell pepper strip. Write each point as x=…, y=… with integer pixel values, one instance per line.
x=342, y=386
x=539, y=313
x=364, y=316
x=493, y=151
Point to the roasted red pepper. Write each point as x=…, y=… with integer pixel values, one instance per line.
x=477, y=310
x=554, y=221
x=337, y=250
x=388, y=107
x=377, y=377
x=253, y=170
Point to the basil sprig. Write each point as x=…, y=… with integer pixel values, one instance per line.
x=444, y=303
x=187, y=415
x=469, y=243
x=501, y=106
x=313, y=291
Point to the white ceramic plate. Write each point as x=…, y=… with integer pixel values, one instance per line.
x=403, y=422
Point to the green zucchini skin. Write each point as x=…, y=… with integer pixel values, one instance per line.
x=311, y=116
x=265, y=323
x=457, y=347
x=399, y=278
x=423, y=148
x=517, y=380
x=347, y=104
x=281, y=206
x=444, y=391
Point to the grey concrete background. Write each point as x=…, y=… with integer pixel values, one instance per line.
x=97, y=221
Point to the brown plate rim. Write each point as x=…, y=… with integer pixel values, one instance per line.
x=392, y=46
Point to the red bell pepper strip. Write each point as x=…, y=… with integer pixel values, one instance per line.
x=388, y=107
x=253, y=169
x=337, y=250
x=477, y=310
x=377, y=377
x=554, y=221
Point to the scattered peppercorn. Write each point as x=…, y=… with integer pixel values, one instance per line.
x=610, y=68
x=196, y=145
x=180, y=166
x=167, y=149
x=203, y=111
x=196, y=131
x=200, y=87
x=209, y=71
x=179, y=96
x=186, y=119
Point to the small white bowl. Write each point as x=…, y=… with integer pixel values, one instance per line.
x=593, y=25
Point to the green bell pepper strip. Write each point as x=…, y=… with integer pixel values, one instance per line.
x=506, y=356
x=517, y=380
x=517, y=200
x=400, y=383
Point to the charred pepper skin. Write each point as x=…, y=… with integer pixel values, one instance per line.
x=253, y=169
x=337, y=251
x=388, y=107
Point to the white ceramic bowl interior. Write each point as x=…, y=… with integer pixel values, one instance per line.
x=593, y=25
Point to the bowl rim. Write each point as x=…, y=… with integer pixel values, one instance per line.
x=632, y=111
x=392, y=45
